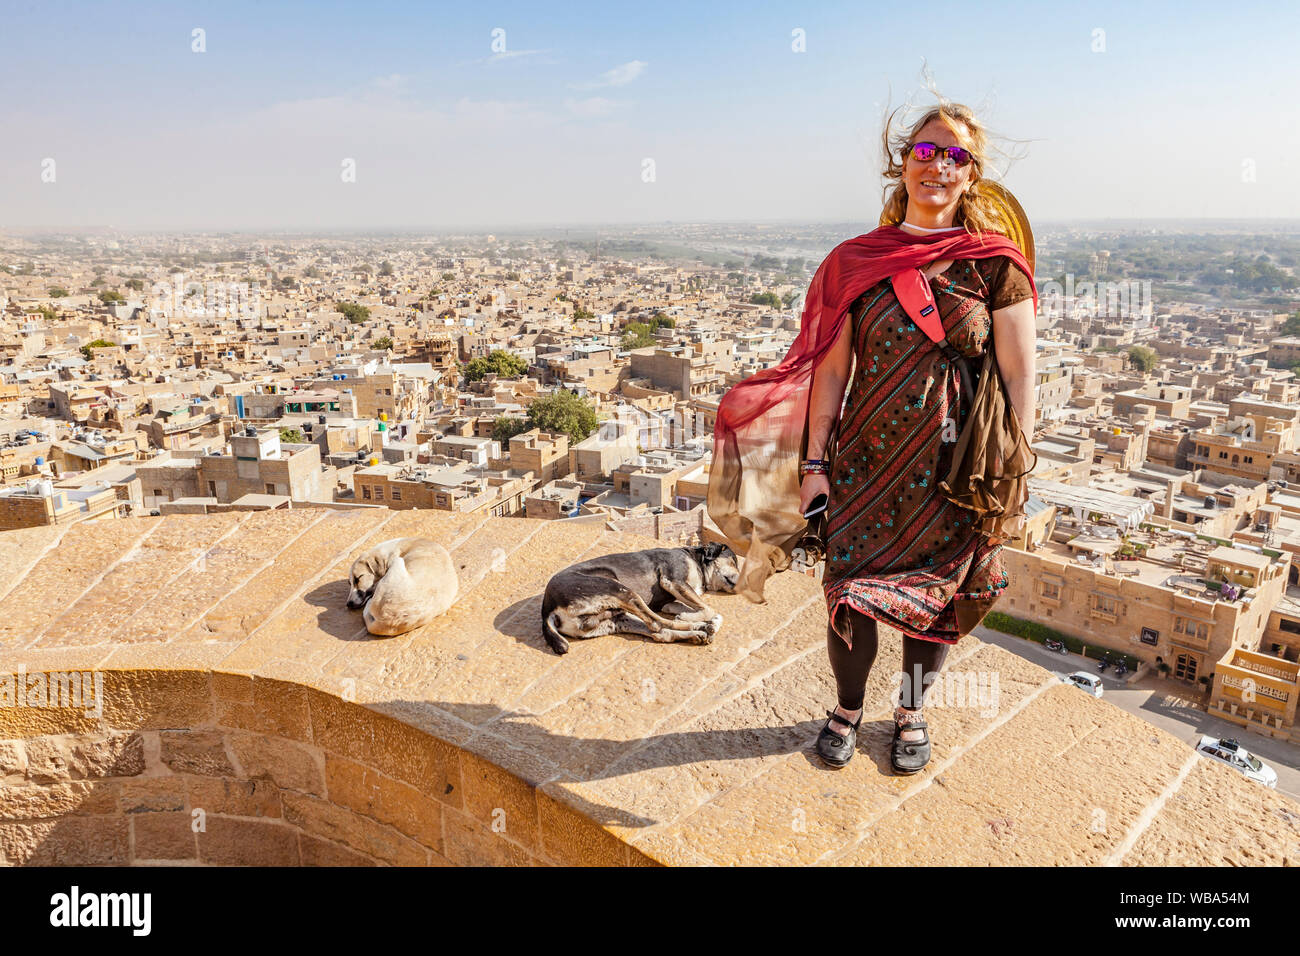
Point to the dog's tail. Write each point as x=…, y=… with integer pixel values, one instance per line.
x=559, y=643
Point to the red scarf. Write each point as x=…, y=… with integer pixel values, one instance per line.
x=761, y=419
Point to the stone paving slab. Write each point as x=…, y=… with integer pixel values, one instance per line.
x=677, y=753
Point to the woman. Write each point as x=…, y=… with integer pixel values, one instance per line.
x=897, y=550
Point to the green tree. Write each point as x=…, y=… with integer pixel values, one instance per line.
x=562, y=411
x=506, y=427
x=1142, y=358
x=291, y=436
x=385, y=268
x=766, y=298
x=48, y=311
x=109, y=296
x=499, y=361
x=1292, y=325
x=352, y=312
x=448, y=276
x=57, y=292
x=87, y=349
x=580, y=313
x=135, y=285
x=637, y=335
x=383, y=342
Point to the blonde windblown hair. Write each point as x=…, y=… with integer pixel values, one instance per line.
x=978, y=210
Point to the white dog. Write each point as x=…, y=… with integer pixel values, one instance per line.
x=402, y=584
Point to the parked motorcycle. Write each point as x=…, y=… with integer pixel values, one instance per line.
x=1121, y=669
x=1054, y=645
x=1105, y=662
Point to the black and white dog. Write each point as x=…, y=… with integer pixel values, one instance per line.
x=625, y=593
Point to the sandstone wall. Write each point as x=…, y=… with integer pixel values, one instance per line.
x=224, y=769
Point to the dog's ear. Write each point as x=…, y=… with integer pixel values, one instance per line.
x=712, y=550
x=365, y=566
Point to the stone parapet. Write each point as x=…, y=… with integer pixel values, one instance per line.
x=247, y=717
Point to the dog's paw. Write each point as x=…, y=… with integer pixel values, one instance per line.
x=713, y=624
x=702, y=637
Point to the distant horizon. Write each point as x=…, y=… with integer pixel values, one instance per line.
x=530, y=228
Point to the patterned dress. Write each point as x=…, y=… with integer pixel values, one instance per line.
x=896, y=549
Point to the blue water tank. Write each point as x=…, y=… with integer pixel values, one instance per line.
x=40, y=459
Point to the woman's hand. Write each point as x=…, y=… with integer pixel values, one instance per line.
x=810, y=488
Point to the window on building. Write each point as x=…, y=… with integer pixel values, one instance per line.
x=379, y=493
x=1291, y=627
x=1051, y=591
x=397, y=494
x=212, y=489
x=1104, y=605
x=365, y=492
x=270, y=488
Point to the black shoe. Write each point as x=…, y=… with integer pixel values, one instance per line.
x=909, y=756
x=831, y=747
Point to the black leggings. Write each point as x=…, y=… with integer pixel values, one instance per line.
x=851, y=667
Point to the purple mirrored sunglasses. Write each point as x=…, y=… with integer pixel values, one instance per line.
x=924, y=152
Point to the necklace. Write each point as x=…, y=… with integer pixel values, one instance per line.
x=924, y=229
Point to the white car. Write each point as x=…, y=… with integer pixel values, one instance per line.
x=1089, y=683
x=1239, y=758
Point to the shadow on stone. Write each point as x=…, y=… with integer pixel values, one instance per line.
x=335, y=617
x=513, y=741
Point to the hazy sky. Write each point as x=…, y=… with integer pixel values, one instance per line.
x=1184, y=105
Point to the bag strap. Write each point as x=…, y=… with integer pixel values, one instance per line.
x=917, y=299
